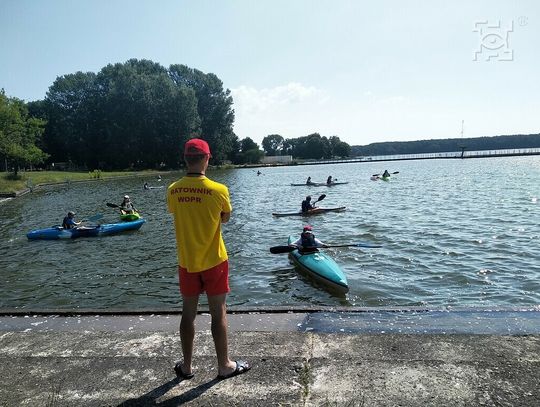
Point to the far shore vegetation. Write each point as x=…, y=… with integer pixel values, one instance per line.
x=138, y=115
x=10, y=183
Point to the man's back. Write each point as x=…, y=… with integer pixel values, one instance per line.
x=197, y=204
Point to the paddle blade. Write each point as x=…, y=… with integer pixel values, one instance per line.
x=368, y=245
x=375, y=175
x=321, y=198
x=111, y=205
x=282, y=249
x=395, y=172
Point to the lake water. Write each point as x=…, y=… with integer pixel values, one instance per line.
x=454, y=233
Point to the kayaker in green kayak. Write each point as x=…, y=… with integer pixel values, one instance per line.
x=307, y=241
x=127, y=206
x=69, y=221
x=386, y=174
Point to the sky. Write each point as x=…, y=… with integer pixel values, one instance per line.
x=365, y=71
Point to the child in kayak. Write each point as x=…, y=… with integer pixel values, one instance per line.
x=308, y=241
x=306, y=205
x=69, y=221
x=127, y=206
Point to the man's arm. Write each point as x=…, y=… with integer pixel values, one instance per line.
x=225, y=216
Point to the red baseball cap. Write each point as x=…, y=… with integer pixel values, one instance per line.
x=307, y=228
x=197, y=146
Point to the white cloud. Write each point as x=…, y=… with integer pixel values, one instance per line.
x=250, y=99
x=292, y=110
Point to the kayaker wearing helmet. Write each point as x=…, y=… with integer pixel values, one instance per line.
x=306, y=205
x=69, y=221
x=127, y=206
x=307, y=240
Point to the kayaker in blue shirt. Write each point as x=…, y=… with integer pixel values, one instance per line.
x=306, y=205
x=69, y=221
x=307, y=240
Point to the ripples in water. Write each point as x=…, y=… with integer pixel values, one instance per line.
x=450, y=238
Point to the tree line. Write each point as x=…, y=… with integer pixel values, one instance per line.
x=518, y=141
x=138, y=115
x=313, y=146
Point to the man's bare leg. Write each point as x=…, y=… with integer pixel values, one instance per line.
x=187, y=331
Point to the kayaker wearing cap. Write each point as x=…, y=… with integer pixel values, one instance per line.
x=307, y=240
x=306, y=205
x=69, y=221
x=127, y=206
x=199, y=207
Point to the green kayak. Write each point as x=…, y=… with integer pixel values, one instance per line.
x=129, y=217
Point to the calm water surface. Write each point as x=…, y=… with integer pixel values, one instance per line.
x=454, y=233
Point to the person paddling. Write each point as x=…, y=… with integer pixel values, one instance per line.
x=329, y=180
x=306, y=205
x=386, y=174
x=308, y=182
x=127, y=206
x=146, y=185
x=69, y=221
x=307, y=240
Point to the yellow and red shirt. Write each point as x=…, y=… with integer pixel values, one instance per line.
x=196, y=204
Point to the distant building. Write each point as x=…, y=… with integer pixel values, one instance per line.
x=277, y=159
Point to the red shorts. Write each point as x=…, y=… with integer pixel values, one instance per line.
x=214, y=281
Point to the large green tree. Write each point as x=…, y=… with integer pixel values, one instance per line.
x=129, y=115
x=273, y=144
x=250, y=152
x=214, y=106
x=19, y=133
x=143, y=118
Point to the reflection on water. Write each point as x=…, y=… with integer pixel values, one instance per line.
x=454, y=233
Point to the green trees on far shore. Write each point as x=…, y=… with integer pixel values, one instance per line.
x=19, y=135
x=313, y=146
x=139, y=114
x=135, y=115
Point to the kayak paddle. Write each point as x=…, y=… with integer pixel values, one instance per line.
x=288, y=249
x=320, y=199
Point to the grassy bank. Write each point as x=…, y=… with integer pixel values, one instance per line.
x=9, y=185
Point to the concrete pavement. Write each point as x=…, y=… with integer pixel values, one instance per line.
x=324, y=357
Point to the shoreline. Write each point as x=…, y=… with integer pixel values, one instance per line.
x=296, y=361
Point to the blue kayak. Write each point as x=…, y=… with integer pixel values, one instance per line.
x=320, y=267
x=58, y=232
